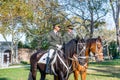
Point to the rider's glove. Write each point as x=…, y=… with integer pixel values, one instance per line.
x=59, y=46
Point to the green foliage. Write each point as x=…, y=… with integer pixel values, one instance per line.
x=40, y=43
x=20, y=44
x=34, y=44
x=44, y=43
x=24, y=62
x=113, y=49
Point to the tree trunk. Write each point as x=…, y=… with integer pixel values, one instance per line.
x=116, y=20
x=91, y=25
x=117, y=25
x=116, y=11
x=118, y=36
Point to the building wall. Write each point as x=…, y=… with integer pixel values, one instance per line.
x=24, y=54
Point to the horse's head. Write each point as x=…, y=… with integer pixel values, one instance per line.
x=94, y=45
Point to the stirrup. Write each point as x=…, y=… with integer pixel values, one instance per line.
x=47, y=71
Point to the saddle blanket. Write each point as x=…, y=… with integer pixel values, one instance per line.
x=43, y=59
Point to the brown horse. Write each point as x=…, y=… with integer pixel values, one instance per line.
x=80, y=64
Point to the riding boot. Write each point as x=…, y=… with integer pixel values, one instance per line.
x=50, y=53
x=48, y=65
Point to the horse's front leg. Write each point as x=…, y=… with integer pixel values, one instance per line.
x=61, y=76
x=76, y=74
x=43, y=75
x=83, y=75
x=55, y=77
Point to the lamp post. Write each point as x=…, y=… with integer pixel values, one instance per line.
x=0, y=56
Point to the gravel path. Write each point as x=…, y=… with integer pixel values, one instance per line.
x=17, y=66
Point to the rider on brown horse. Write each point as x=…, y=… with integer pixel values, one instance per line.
x=69, y=35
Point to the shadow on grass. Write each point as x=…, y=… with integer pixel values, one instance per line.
x=102, y=75
x=109, y=71
x=4, y=79
x=107, y=62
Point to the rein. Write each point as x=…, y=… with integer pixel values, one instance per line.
x=64, y=64
x=77, y=66
x=83, y=49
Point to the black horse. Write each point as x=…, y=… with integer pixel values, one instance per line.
x=60, y=65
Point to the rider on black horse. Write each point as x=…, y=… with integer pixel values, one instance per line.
x=55, y=41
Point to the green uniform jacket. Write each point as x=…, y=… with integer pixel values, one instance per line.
x=67, y=37
x=54, y=39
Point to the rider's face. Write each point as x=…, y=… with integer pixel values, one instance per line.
x=69, y=30
x=57, y=28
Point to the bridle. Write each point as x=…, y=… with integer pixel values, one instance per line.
x=83, y=48
x=83, y=45
x=97, y=49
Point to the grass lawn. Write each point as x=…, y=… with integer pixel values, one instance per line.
x=108, y=70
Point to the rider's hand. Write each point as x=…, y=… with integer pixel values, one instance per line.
x=59, y=46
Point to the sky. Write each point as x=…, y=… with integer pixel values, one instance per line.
x=109, y=21
x=9, y=38
x=2, y=39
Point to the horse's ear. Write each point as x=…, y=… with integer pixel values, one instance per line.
x=77, y=38
x=99, y=38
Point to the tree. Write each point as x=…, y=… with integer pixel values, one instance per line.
x=90, y=11
x=115, y=6
x=13, y=14
x=46, y=13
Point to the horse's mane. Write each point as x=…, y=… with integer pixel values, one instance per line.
x=70, y=48
x=92, y=40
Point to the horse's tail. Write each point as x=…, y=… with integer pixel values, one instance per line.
x=30, y=76
x=33, y=68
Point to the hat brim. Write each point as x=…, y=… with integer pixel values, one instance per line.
x=70, y=28
x=58, y=26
